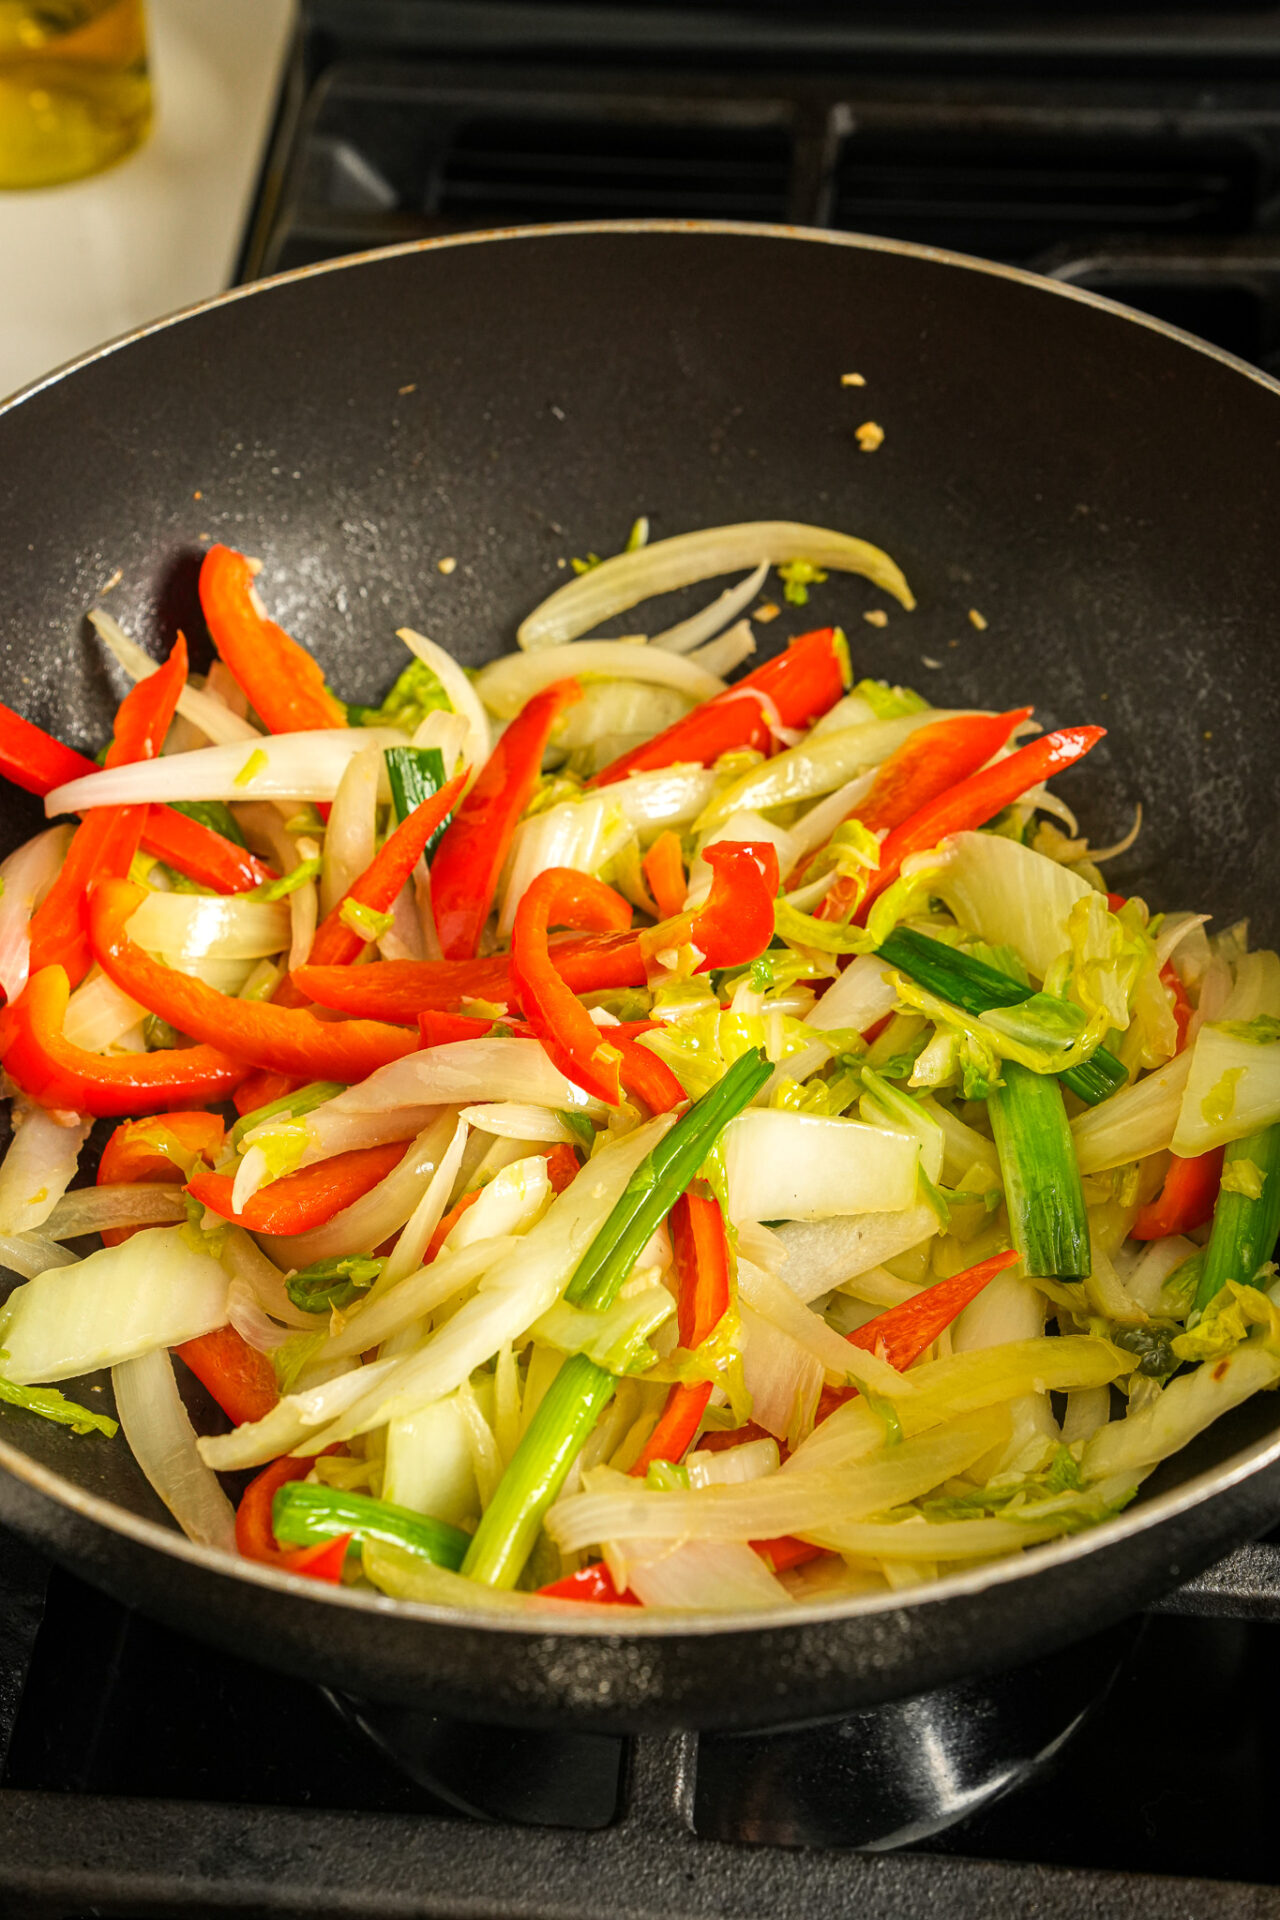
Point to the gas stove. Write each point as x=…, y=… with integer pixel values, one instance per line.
x=1136, y=152
x=146, y=1776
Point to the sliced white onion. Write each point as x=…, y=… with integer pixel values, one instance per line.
x=582, y=834
x=1138, y=1120
x=368, y=1221
x=816, y=826
x=210, y=926
x=783, y=1378
x=1174, y=929
x=774, y=1301
x=374, y=1321
x=152, y=1291
x=517, y=1120
x=211, y=716
x=163, y=1443
x=25, y=876
x=672, y=797
x=627, y=578
x=248, y=1264
x=245, y=1314
x=38, y=1167
x=506, y=685
x=99, y=1014
x=691, y=633
x=516, y=1291
x=293, y=766
x=727, y=651
x=31, y=1253
x=463, y=1071
x=824, y=1254
x=351, y=836
x=462, y=695
x=449, y=733
x=332, y=1129
x=403, y=939
x=304, y=917
x=703, y=1576
x=407, y=1253
x=733, y=1466
x=145, y=1203
x=1145, y=1280
x=781, y=1165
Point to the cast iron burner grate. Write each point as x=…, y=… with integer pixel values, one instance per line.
x=147, y=1776
x=1136, y=156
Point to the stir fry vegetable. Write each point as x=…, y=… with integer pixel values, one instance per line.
x=692, y=1145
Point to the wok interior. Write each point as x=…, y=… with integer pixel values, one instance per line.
x=1094, y=487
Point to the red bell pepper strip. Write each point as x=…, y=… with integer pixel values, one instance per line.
x=447, y=1225
x=52, y=1071
x=594, y=1584
x=1182, y=1007
x=568, y=1034
x=279, y=678
x=1186, y=1200
x=702, y=1266
x=262, y=1088
x=378, y=887
x=795, y=687
x=162, y=1149
x=734, y=925
x=562, y=1166
x=469, y=859
x=903, y=1333
x=677, y=1424
x=442, y=1029
x=301, y=1201
x=785, y=1552
x=241, y=1380
x=928, y=762
x=38, y=763
x=978, y=799
x=106, y=841
x=663, y=867
x=286, y=1039
x=645, y=1076
x=256, y=1538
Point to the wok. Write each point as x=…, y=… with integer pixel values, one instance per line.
x=1099, y=486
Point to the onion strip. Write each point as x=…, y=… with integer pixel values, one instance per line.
x=627, y=578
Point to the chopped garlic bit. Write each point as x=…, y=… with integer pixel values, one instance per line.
x=411, y=388
x=877, y=617
x=928, y=661
x=976, y=620
x=766, y=611
x=446, y=565
x=869, y=435
x=852, y=380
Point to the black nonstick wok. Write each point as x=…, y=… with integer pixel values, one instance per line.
x=1100, y=488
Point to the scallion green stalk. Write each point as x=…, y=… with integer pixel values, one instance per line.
x=555, y=1436
x=1244, y=1230
x=581, y=1389
x=1041, y=1178
x=292, y=1106
x=659, y=1180
x=414, y=774
x=978, y=988
x=302, y=1515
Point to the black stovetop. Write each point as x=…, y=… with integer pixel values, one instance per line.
x=148, y=1776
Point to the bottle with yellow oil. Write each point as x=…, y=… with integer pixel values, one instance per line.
x=74, y=91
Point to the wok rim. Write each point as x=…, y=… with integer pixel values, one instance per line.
x=592, y=1622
